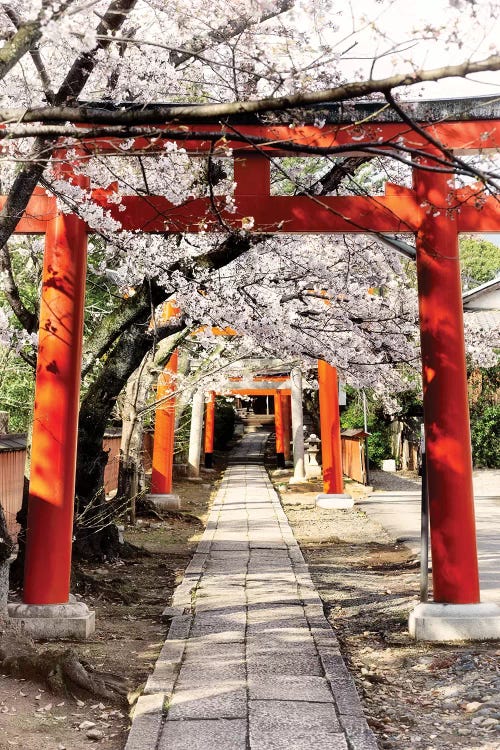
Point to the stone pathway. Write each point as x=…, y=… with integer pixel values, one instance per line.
x=250, y=662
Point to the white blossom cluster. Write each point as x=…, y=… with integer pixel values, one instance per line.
x=345, y=299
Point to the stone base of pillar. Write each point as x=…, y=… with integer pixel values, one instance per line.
x=165, y=501
x=52, y=622
x=454, y=622
x=330, y=502
x=297, y=480
x=180, y=471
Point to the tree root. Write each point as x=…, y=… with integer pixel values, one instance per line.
x=146, y=507
x=110, y=589
x=60, y=671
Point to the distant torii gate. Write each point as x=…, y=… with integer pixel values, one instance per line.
x=426, y=210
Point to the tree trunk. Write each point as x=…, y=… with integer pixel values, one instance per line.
x=96, y=536
x=130, y=466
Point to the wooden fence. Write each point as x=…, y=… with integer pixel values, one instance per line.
x=13, y=459
x=353, y=455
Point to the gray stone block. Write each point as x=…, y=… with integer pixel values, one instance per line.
x=214, y=700
x=199, y=734
x=219, y=621
x=163, y=679
x=342, y=685
x=359, y=735
x=287, y=688
x=172, y=651
x=52, y=622
x=283, y=725
x=147, y=722
x=179, y=627
x=294, y=661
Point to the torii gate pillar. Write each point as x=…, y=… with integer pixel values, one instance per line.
x=287, y=426
x=333, y=495
x=455, y=613
x=164, y=438
x=279, y=430
x=48, y=611
x=209, y=430
x=299, y=474
x=195, y=435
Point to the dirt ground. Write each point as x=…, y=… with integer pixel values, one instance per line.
x=416, y=696
x=128, y=598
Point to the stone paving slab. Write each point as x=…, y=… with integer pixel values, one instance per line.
x=250, y=662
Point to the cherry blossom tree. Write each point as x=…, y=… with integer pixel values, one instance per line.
x=64, y=63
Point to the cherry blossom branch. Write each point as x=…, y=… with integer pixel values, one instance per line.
x=202, y=112
x=32, y=171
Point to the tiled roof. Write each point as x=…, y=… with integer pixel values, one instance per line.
x=13, y=442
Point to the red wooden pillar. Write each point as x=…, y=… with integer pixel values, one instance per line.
x=252, y=174
x=331, y=447
x=278, y=428
x=163, y=446
x=55, y=418
x=446, y=411
x=209, y=430
x=287, y=426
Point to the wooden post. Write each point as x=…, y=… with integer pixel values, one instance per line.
x=209, y=430
x=278, y=428
x=446, y=411
x=164, y=437
x=55, y=418
x=331, y=446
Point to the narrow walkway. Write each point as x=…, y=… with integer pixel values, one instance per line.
x=250, y=662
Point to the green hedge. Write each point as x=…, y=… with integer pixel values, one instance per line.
x=485, y=436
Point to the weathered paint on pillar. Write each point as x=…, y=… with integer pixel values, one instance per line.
x=164, y=436
x=209, y=430
x=446, y=412
x=287, y=426
x=55, y=418
x=297, y=425
x=195, y=434
x=278, y=428
x=331, y=446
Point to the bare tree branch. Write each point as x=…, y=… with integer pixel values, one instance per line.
x=202, y=112
x=24, y=40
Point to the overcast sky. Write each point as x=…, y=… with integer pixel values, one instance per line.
x=398, y=20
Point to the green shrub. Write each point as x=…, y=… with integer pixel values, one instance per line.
x=379, y=441
x=485, y=436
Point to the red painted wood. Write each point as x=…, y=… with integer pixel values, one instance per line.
x=55, y=420
x=286, y=408
x=209, y=423
x=331, y=447
x=459, y=135
x=278, y=424
x=449, y=462
x=252, y=174
x=164, y=436
x=278, y=214
x=398, y=211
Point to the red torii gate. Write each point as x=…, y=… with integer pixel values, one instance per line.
x=426, y=211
